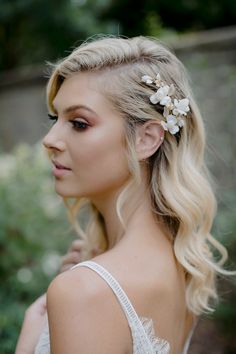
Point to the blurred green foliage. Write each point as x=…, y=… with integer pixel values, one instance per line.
x=178, y=15
x=33, y=233
x=32, y=30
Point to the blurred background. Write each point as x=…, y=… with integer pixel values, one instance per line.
x=34, y=231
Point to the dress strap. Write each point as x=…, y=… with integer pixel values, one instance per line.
x=116, y=287
x=144, y=341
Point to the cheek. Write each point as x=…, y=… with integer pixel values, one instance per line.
x=101, y=162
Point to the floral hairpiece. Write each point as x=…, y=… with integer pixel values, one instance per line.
x=175, y=110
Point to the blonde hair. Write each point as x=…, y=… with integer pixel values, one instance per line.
x=181, y=194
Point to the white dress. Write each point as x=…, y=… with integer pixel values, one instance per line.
x=145, y=341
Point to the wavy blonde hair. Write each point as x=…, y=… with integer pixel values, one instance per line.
x=180, y=191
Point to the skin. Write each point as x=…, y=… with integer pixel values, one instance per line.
x=89, y=152
x=34, y=322
x=80, y=316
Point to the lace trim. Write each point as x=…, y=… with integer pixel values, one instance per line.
x=160, y=345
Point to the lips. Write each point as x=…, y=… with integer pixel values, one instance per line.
x=60, y=171
x=59, y=166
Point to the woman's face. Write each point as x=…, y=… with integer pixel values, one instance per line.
x=86, y=140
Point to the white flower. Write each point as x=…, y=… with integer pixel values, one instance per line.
x=170, y=124
x=166, y=111
x=166, y=101
x=161, y=96
x=158, y=81
x=154, y=98
x=180, y=122
x=173, y=130
x=175, y=110
x=147, y=79
x=181, y=107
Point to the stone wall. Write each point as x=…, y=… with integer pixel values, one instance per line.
x=211, y=60
x=22, y=106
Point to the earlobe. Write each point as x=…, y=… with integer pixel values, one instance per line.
x=149, y=137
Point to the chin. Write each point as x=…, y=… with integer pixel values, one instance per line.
x=67, y=192
x=64, y=192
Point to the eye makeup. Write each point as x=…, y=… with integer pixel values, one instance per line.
x=76, y=124
x=53, y=118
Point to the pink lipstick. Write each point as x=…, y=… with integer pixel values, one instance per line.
x=59, y=170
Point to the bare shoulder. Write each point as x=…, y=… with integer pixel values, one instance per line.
x=81, y=309
x=155, y=285
x=157, y=272
x=79, y=283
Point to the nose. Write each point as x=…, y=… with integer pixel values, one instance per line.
x=53, y=141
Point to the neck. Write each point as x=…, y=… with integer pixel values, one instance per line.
x=136, y=213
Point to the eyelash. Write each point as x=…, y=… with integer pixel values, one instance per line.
x=53, y=118
x=77, y=125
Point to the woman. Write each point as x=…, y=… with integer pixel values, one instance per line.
x=127, y=147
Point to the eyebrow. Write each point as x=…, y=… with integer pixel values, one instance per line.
x=75, y=107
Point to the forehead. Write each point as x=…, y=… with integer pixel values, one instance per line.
x=82, y=89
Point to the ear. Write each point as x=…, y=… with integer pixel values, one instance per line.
x=149, y=136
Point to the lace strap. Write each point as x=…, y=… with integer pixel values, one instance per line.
x=190, y=335
x=143, y=339
x=115, y=286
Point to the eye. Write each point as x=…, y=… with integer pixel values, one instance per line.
x=52, y=118
x=79, y=125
